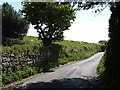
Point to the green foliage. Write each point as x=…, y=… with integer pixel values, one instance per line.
x=112, y=57
x=50, y=19
x=111, y=77
x=12, y=41
x=20, y=48
x=10, y=77
x=104, y=44
x=74, y=51
x=106, y=82
x=67, y=51
x=13, y=24
x=0, y=81
x=103, y=41
x=103, y=48
x=58, y=53
x=32, y=40
x=101, y=67
x=51, y=54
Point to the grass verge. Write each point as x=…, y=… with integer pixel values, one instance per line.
x=106, y=82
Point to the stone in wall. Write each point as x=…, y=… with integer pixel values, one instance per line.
x=23, y=59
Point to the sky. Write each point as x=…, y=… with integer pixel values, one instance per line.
x=87, y=27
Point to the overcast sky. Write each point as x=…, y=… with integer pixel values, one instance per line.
x=86, y=27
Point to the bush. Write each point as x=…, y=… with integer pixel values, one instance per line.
x=12, y=41
x=103, y=48
x=51, y=54
x=10, y=76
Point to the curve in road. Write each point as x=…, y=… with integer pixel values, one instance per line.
x=79, y=74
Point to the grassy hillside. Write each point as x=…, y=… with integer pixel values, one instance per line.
x=32, y=42
x=62, y=52
x=71, y=50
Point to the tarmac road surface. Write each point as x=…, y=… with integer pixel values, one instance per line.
x=80, y=74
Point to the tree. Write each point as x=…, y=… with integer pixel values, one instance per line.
x=50, y=19
x=112, y=66
x=13, y=24
x=104, y=42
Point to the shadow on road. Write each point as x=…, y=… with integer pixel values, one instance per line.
x=62, y=83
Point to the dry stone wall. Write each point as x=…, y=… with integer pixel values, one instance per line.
x=19, y=61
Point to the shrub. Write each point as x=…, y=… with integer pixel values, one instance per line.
x=12, y=41
x=10, y=76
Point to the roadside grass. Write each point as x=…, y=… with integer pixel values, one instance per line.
x=78, y=50
x=11, y=77
x=63, y=52
x=0, y=81
x=101, y=67
x=106, y=81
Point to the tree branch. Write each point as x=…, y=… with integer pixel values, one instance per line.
x=102, y=10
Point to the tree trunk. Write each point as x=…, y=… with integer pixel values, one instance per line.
x=47, y=42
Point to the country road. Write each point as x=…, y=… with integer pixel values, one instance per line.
x=80, y=74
